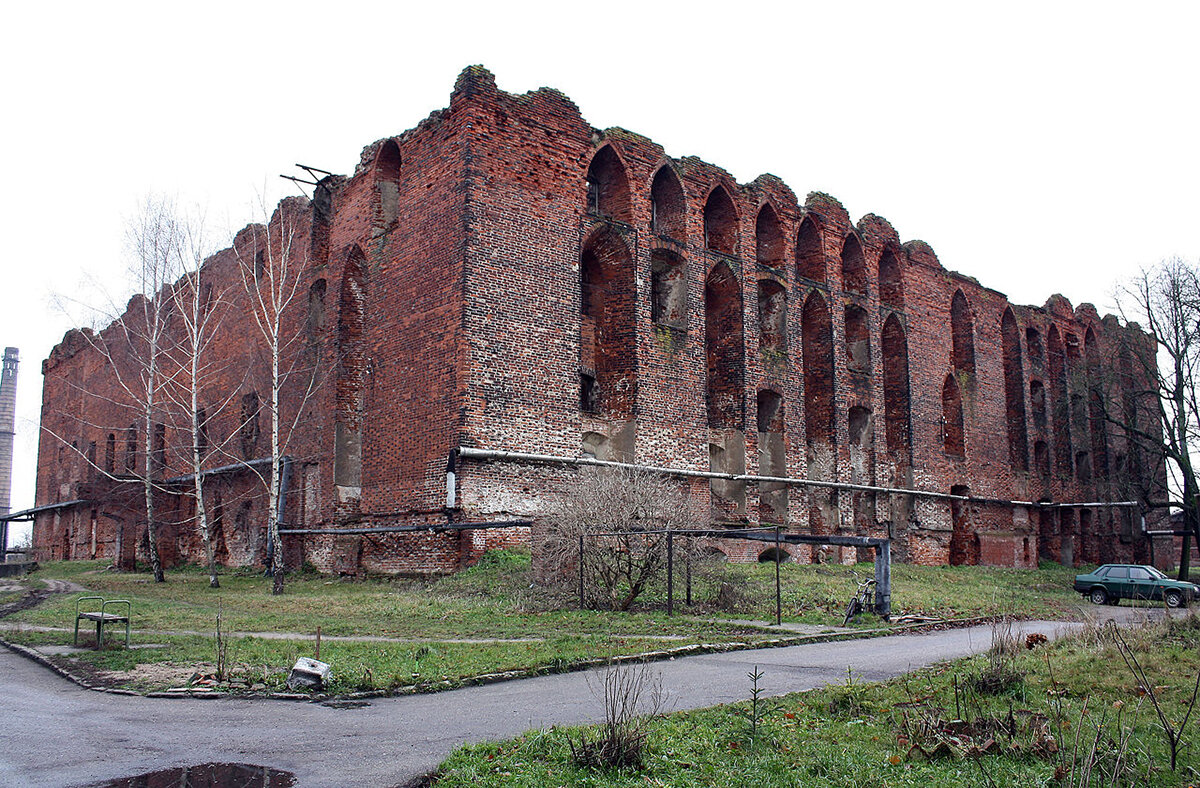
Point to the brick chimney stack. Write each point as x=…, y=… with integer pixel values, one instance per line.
x=8, y=421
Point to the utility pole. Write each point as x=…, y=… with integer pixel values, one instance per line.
x=8, y=423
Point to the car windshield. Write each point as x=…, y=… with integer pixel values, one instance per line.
x=1157, y=575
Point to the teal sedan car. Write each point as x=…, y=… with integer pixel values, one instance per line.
x=1111, y=583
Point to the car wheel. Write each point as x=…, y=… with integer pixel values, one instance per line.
x=1098, y=596
x=1173, y=599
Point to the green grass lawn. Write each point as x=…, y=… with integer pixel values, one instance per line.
x=492, y=602
x=1062, y=709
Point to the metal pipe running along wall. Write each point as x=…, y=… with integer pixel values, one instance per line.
x=470, y=453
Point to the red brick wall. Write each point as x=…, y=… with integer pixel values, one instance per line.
x=453, y=315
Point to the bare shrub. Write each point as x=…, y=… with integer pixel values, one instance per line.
x=1000, y=675
x=620, y=516
x=633, y=697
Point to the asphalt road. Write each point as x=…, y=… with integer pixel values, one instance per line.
x=57, y=734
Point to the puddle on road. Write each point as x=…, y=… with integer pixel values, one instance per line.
x=208, y=775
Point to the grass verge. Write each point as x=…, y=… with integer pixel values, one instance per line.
x=1073, y=715
x=487, y=619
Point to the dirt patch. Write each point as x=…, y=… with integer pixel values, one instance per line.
x=155, y=674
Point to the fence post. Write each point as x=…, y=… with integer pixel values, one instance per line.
x=691, y=549
x=778, y=591
x=581, y=571
x=883, y=578
x=670, y=572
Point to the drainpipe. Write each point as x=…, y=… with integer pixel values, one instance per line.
x=470, y=453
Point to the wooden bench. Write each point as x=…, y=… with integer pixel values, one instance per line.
x=101, y=617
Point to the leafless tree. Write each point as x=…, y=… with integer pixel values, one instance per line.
x=272, y=270
x=199, y=307
x=620, y=515
x=1160, y=412
x=134, y=348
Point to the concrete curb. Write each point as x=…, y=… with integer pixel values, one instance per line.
x=495, y=678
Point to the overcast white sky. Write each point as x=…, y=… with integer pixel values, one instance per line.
x=1041, y=147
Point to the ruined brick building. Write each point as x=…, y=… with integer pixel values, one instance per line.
x=505, y=280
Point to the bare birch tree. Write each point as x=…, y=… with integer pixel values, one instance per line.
x=200, y=309
x=272, y=272
x=1160, y=417
x=136, y=345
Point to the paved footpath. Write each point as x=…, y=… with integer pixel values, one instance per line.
x=57, y=734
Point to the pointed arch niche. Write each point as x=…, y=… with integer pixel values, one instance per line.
x=608, y=186
x=817, y=351
x=608, y=356
x=1097, y=429
x=768, y=238
x=962, y=334
x=668, y=289
x=723, y=349
x=668, y=208
x=810, y=255
x=1014, y=392
x=772, y=316
x=1060, y=403
x=896, y=400
x=772, y=496
x=891, y=280
x=387, y=189
x=350, y=389
x=854, y=267
x=720, y=222
x=953, y=432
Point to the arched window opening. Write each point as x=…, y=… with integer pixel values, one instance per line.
x=1083, y=467
x=858, y=340
x=91, y=460
x=772, y=316
x=1033, y=346
x=891, y=280
x=1097, y=426
x=1037, y=401
x=315, y=326
x=768, y=238
x=387, y=186
x=1014, y=392
x=772, y=454
x=249, y=430
x=260, y=264
x=607, y=186
x=896, y=402
x=1060, y=403
x=953, y=438
x=817, y=352
x=854, y=267
x=771, y=555
x=723, y=348
x=720, y=223
x=608, y=296
x=668, y=208
x=110, y=453
x=810, y=255
x=962, y=333
x=1041, y=458
x=668, y=289
x=351, y=385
